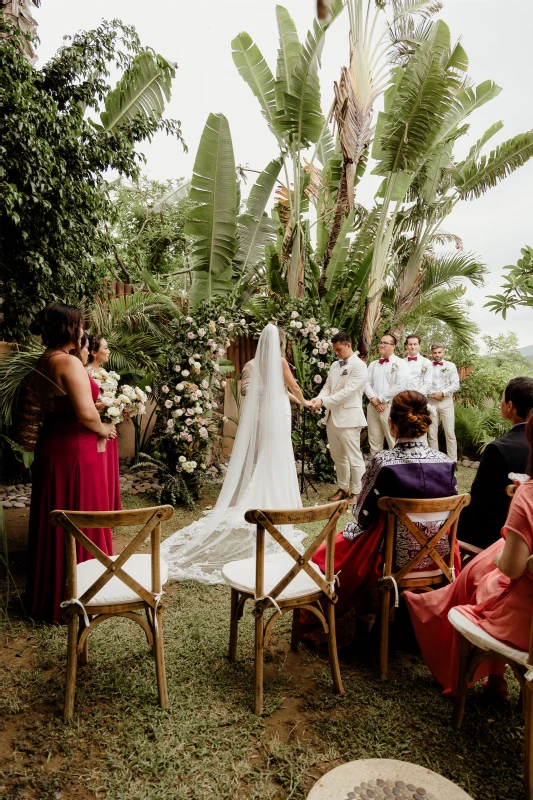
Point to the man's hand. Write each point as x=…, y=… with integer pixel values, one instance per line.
x=380, y=407
x=315, y=404
x=438, y=395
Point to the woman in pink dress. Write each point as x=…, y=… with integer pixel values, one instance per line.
x=494, y=590
x=98, y=356
x=69, y=470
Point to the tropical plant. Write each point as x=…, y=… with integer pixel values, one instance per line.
x=477, y=426
x=55, y=197
x=518, y=287
x=227, y=247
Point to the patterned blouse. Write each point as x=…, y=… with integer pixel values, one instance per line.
x=409, y=470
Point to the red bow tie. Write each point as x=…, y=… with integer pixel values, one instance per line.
x=383, y=360
x=411, y=359
x=438, y=363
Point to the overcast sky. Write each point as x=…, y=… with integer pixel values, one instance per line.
x=197, y=35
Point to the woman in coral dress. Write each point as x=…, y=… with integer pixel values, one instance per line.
x=494, y=590
x=409, y=469
x=98, y=356
x=69, y=470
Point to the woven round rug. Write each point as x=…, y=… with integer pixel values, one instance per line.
x=374, y=778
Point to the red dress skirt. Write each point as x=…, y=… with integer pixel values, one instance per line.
x=69, y=473
x=113, y=483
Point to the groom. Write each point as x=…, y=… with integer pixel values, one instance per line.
x=342, y=397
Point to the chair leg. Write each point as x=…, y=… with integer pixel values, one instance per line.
x=384, y=646
x=332, y=648
x=259, y=653
x=233, y=625
x=150, y=620
x=528, y=740
x=295, y=630
x=72, y=666
x=160, y=660
x=462, y=686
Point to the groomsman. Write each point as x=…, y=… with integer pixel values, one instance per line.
x=419, y=371
x=444, y=383
x=342, y=397
x=387, y=376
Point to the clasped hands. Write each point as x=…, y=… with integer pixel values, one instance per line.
x=377, y=405
x=315, y=404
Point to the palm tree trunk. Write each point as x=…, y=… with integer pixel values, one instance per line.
x=341, y=209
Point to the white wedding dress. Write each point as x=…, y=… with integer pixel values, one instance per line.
x=261, y=474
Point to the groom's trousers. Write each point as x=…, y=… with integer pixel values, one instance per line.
x=345, y=449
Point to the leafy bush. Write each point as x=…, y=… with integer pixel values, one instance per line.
x=477, y=426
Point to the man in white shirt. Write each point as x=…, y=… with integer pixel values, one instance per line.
x=419, y=371
x=444, y=383
x=387, y=376
x=342, y=397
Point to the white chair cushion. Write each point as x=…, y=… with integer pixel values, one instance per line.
x=241, y=576
x=139, y=566
x=484, y=640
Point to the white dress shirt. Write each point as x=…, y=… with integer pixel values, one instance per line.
x=420, y=373
x=387, y=379
x=444, y=378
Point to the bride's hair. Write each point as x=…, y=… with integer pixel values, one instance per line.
x=282, y=340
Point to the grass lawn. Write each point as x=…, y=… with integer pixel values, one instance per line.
x=122, y=746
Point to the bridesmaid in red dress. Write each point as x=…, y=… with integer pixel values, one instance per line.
x=98, y=356
x=69, y=471
x=494, y=590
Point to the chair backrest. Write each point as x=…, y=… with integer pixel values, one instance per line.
x=400, y=508
x=266, y=520
x=149, y=518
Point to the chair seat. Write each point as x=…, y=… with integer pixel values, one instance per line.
x=240, y=575
x=138, y=566
x=423, y=573
x=484, y=640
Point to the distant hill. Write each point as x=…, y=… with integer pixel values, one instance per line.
x=527, y=352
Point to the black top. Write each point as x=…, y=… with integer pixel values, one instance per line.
x=481, y=522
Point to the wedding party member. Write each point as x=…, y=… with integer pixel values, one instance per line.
x=409, y=470
x=261, y=474
x=444, y=384
x=386, y=377
x=98, y=356
x=69, y=470
x=342, y=397
x=418, y=369
x=494, y=590
x=481, y=522
x=247, y=370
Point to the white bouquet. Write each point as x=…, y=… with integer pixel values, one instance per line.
x=118, y=403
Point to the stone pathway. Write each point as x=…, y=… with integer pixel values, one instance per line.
x=16, y=495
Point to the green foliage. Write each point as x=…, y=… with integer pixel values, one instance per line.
x=492, y=372
x=477, y=426
x=517, y=289
x=54, y=196
x=146, y=231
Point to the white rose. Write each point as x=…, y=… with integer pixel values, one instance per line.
x=180, y=387
x=165, y=389
x=317, y=379
x=182, y=459
x=221, y=320
x=170, y=423
x=148, y=389
x=185, y=373
x=113, y=411
x=315, y=351
x=168, y=403
x=201, y=332
x=205, y=384
x=294, y=314
x=122, y=398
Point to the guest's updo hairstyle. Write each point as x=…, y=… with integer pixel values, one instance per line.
x=58, y=325
x=95, y=340
x=409, y=412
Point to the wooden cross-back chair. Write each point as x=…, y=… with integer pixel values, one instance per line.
x=398, y=508
x=103, y=587
x=478, y=646
x=285, y=581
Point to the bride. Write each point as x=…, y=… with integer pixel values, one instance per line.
x=261, y=473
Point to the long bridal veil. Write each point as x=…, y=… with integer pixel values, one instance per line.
x=261, y=474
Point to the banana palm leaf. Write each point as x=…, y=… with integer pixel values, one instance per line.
x=212, y=220
x=255, y=71
x=473, y=179
x=143, y=89
x=288, y=54
x=300, y=112
x=339, y=257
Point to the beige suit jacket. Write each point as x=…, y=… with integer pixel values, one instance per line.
x=342, y=395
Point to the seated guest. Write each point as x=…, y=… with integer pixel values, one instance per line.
x=409, y=469
x=494, y=590
x=481, y=522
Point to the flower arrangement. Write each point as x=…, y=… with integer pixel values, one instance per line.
x=118, y=403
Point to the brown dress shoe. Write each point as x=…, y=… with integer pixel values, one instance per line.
x=340, y=494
